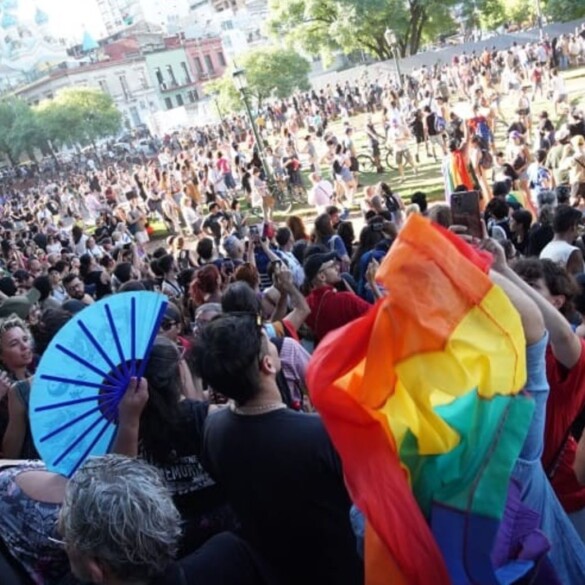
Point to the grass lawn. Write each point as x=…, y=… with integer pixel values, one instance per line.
x=429, y=179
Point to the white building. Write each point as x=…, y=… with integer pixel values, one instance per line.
x=119, y=14
x=237, y=22
x=126, y=81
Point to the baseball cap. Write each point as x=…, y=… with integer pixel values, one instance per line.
x=19, y=305
x=314, y=262
x=73, y=306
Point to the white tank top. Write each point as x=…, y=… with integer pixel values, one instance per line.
x=558, y=251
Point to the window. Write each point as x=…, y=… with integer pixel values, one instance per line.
x=104, y=86
x=159, y=78
x=135, y=116
x=221, y=59
x=191, y=97
x=172, y=76
x=180, y=101
x=186, y=75
x=124, y=86
x=209, y=64
x=227, y=25
x=169, y=103
x=198, y=66
x=142, y=79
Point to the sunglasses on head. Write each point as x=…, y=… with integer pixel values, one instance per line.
x=168, y=325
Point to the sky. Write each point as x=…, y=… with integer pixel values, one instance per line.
x=67, y=18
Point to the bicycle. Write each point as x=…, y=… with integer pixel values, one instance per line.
x=367, y=164
x=285, y=196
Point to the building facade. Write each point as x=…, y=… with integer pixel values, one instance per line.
x=119, y=14
x=144, y=72
x=174, y=81
x=206, y=58
x=126, y=81
x=237, y=23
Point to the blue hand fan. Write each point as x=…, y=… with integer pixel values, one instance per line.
x=84, y=373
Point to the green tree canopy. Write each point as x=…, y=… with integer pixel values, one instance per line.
x=270, y=71
x=495, y=13
x=20, y=130
x=55, y=123
x=90, y=113
x=74, y=117
x=320, y=26
x=563, y=10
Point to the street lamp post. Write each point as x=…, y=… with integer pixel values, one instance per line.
x=215, y=97
x=241, y=84
x=392, y=42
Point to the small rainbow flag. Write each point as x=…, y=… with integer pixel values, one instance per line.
x=421, y=398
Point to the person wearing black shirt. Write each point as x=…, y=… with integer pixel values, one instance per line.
x=576, y=126
x=455, y=131
x=517, y=126
x=212, y=223
x=374, y=141
x=277, y=467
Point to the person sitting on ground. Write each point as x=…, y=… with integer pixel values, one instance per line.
x=76, y=289
x=324, y=235
x=330, y=309
x=561, y=250
x=171, y=438
x=277, y=467
x=109, y=501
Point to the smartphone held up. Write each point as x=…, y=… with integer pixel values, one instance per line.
x=465, y=212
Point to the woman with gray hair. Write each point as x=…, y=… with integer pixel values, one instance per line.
x=118, y=522
x=32, y=497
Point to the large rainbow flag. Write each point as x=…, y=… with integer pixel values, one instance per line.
x=421, y=398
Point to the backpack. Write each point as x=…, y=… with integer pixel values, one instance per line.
x=486, y=160
x=440, y=124
x=483, y=131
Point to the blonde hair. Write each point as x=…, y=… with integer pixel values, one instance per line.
x=12, y=322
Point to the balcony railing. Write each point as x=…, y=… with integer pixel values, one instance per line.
x=174, y=85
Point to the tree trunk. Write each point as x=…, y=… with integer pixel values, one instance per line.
x=415, y=44
x=418, y=17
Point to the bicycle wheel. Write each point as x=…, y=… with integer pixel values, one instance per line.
x=299, y=194
x=390, y=162
x=282, y=199
x=367, y=164
x=283, y=204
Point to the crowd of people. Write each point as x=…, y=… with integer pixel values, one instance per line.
x=221, y=471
